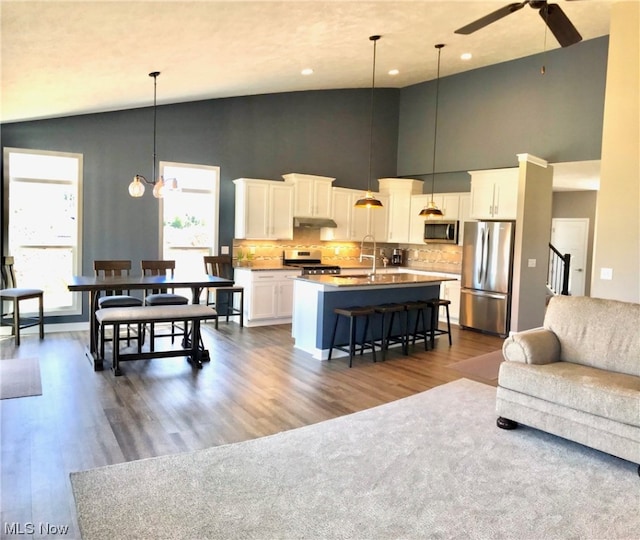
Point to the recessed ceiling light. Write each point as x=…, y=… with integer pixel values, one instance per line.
x=307, y=71
x=466, y=56
x=394, y=71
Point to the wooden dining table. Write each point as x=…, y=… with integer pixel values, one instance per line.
x=94, y=285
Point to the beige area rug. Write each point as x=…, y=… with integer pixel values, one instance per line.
x=485, y=366
x=430, y=466
x=20, y=377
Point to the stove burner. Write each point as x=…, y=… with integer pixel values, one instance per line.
x=308, y=262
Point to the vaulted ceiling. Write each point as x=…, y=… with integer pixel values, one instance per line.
x=76, y=57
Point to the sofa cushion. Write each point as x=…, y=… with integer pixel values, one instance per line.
x=596, y=332
x=602, y=393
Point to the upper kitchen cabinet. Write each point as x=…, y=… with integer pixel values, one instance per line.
x=399, y=192
x=264, y=209
x=353, y=224
x=416, y=221
x=312, y=196
x=494, y=194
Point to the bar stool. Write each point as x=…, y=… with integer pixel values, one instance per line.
x=353, y=313
x=424, y=333
x=386, y=326
x=435, y=304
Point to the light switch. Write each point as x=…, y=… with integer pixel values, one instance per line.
x=606, y=273
x=531, y=263
x=224, y=250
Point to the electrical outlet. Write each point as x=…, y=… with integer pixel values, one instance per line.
x=252, y=250
x=336, y=251
x=531, y=263
x=224, y=250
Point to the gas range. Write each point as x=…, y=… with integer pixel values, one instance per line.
x=309, y=261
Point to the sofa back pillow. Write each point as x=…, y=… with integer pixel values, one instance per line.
x=596, y=332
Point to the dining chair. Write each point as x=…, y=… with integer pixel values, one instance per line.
x=223, y=298
x=10, y=292
x=115, y=299
x=158, y=297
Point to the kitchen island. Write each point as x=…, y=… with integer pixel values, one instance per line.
x=316, y=297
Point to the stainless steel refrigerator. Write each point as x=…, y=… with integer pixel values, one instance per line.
x=487, y=271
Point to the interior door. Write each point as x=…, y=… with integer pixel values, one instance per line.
x=571, y=235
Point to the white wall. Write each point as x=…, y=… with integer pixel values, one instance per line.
x=617, y=230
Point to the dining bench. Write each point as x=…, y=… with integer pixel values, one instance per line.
x=190, y=313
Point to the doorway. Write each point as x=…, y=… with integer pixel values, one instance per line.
x=571, y=235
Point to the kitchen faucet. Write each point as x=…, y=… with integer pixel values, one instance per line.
x=373, y=253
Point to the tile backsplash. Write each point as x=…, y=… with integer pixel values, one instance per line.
x=435, y=257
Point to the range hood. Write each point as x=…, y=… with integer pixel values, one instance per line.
x=313, y=223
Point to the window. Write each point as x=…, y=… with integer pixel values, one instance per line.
x=190, y=214
x=44, y=223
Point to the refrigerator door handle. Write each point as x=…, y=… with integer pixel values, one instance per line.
x=485, y=257
x=497, y=296
x=481, y=265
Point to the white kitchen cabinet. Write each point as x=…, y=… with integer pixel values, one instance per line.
x=353, y=224
x=264, y=209
x=416, y=221
x=268, y=295
x=464, y=215
x=450, y=290
x=399, y=192
x=312, y=195
x=494, y=194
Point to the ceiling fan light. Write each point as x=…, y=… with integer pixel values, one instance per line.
x=136, y=188
x=368, y=201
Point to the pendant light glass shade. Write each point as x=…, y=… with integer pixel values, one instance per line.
x=369, y=201
x=432, y=210
x=136, y=187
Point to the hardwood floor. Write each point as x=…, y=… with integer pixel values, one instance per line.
x=256, y=384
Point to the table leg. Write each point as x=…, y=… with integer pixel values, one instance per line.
x=93, y=354
x=196, y=291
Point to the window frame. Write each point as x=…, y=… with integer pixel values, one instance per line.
x=76, y=249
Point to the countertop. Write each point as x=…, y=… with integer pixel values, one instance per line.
x=270, y=266
x=379, y=280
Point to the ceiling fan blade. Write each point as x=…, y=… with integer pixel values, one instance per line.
x=560, y=25
x=492, y=17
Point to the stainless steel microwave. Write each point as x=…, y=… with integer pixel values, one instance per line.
x=440, y=232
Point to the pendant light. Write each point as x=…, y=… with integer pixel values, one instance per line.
x=136, y=187
x=369, y=201
x=432, y=210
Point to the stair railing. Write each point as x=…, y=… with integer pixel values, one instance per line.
x=559, y=268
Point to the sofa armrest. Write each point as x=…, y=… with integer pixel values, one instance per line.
x=535, y=346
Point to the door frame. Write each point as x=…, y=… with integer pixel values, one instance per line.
x=585, y=244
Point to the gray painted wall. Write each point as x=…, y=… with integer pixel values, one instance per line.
x=487, y=116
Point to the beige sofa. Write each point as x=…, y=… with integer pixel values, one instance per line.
x=578, y=376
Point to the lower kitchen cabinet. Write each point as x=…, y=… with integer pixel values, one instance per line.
x=450, y=290
x=268, y=295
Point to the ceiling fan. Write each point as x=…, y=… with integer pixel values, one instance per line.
x=552, y=14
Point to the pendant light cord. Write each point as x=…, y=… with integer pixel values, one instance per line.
x=435, y=124
x=373, y=86
x=155, y=113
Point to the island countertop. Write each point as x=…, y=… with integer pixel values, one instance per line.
x=399, y=279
